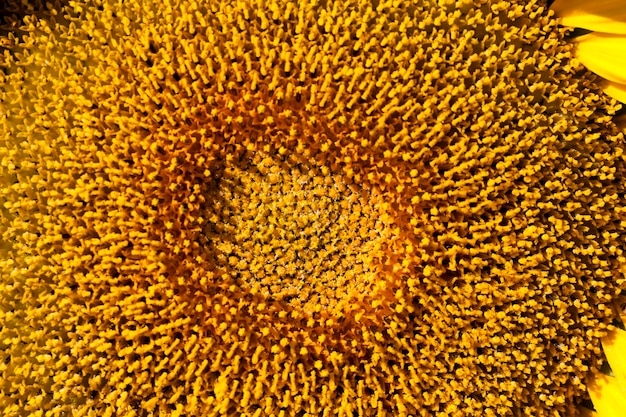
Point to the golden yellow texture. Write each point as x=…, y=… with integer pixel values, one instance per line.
x=312, y=208
x=602, y=52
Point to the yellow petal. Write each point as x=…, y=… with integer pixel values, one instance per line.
x=604, y=54
x=614, y=345
x=607, y=397
x=600, y=15
x=615, y=90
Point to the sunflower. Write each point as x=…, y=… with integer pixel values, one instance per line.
x=603, y=29
x=310, y=208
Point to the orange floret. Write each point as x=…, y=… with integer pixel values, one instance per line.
x=303, y=208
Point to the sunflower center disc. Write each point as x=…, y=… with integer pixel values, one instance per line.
x=295, y=234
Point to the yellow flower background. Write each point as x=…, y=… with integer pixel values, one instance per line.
x=312, y=208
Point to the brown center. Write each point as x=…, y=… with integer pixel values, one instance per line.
x=295, y=234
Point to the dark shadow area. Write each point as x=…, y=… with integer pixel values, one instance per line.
x=577, y=32
x=12, y=13
x=19, y=9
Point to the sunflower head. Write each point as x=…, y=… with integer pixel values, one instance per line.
x=304, y=208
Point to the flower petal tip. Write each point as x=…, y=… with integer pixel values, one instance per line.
x=604, y=54
x=607, y=396
x=607, y=16
x=616, y=90
x=608, y=392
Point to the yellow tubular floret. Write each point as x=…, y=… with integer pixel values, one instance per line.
x=306, y=208
x=598, y=15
